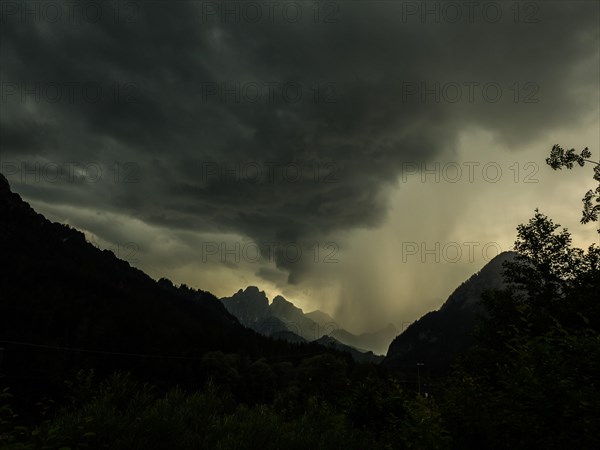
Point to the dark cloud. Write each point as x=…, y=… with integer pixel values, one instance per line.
x=187, y=148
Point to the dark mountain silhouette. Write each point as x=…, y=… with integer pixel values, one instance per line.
x=251, y=307
x=66, y=304
x=377, y=341
x=283, y=320
x=287, y=335
x=295, y=319
x=358, y=355
x=439, y=336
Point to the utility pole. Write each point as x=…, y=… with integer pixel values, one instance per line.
x=419, y=375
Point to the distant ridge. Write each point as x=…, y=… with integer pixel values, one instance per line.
x=283, y=320
x=360, y=356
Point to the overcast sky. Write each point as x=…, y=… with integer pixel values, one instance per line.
x=361, y=157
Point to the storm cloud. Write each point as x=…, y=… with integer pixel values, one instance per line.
x=284, y=128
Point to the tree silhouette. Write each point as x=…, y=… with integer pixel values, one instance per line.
x=560, y=158
x=531, y=380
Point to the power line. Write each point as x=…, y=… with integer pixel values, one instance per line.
x=103, y=352
x=139, y=355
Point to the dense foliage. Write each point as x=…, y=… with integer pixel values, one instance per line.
x=532, y=380
x=120, y=413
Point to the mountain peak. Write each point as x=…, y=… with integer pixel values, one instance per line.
x=282, y=306
x=251, y=294
x=439, y=336
x=250, y=306
x=281, y=300
x=489, y=277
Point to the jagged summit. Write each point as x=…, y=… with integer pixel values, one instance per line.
x=252, y=290
x=281, y=299
x=251, y=295
x=282, y=304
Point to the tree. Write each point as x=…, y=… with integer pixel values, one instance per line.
x=560, y=158
x=531, y=381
